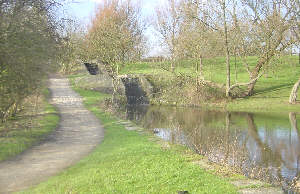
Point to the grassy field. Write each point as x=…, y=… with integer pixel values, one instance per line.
x=27, y=128
x=131, y=162
x=271, y=91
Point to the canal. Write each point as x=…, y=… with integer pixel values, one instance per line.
x=262, y=146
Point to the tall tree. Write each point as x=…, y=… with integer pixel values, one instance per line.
x=71, y=45
x=168, y=24
x=266, y=28
x=28, y=45
x=250, y=28
x=226, y=44
x=216, y=16
x=115, y=36
x=196, y=40
x=116, y=33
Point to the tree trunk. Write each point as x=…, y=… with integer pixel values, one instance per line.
x=116, y=83
x=250, y=90
x=254, y=74
x=235, y=66
x=172, y=66
x=226, y=52
x=201, y=67
x=262, y=62
x=197, y=77
x=294, y=92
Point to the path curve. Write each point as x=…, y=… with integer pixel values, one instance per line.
x=78, y=133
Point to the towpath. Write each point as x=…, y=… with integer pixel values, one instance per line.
x=78, y=133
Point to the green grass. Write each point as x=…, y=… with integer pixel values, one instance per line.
x=271, y=91
x=16, y=137
x=129, y=162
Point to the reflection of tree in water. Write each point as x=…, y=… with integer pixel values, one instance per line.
x=281, y=152
x=220, y=142
x=293, y=121
x=266, y=159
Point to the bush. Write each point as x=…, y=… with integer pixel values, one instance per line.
x=28, y=43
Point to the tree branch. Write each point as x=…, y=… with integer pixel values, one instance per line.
x=245, y=84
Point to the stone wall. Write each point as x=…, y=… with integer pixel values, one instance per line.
x=136, y=88
x=92, y=68
x=101, y=82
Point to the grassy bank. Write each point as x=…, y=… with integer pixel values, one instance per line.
x=271, y=91
x=29, y=127
x=130, y=162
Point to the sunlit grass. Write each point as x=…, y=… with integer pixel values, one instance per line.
x=214, y=69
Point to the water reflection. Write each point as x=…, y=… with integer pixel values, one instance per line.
x=263, y=146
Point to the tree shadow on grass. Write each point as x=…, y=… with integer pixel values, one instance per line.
x=273, y=89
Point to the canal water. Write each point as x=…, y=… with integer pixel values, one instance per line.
x=262, y=146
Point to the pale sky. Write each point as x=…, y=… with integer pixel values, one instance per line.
x=83, y=10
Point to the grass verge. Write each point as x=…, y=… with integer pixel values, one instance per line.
x=129, y=162
x=28, y=127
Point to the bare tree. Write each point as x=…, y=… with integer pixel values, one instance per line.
x=71, y=44
x=250, y=28
x=266, y=30
x=168, y=25
x=226, y=44
x=215, y=16
x=115, y=36
x=196, y=40
x=116, y=33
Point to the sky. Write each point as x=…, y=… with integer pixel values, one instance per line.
x=83, y=11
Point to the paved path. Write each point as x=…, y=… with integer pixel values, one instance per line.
x=78, y=133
